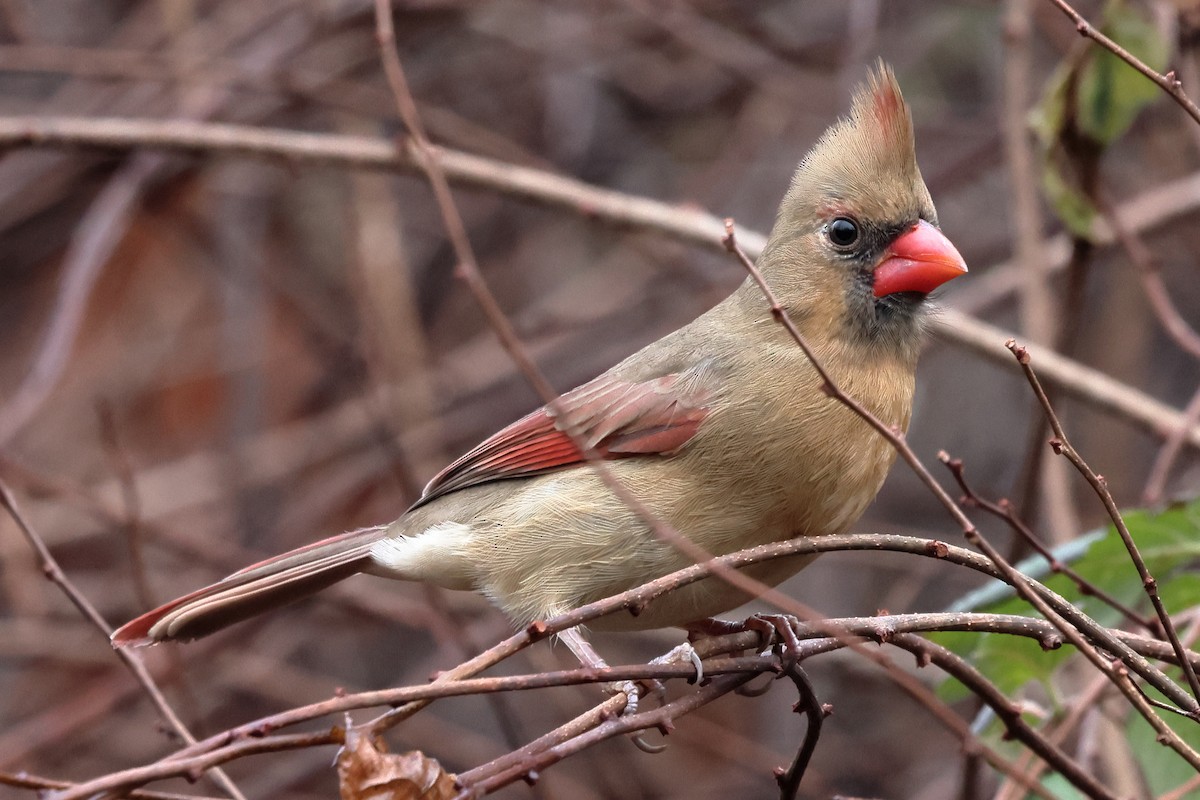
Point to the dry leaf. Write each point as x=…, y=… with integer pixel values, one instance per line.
x=365, y=772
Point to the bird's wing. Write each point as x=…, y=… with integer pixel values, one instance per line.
x=615, y=418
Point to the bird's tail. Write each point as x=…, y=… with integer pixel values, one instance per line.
x=257, y=588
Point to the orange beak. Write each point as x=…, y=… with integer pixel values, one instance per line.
x=918, y=261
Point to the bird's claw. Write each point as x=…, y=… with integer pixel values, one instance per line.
x=777, y=629
x=631, y=692
x=681, y=654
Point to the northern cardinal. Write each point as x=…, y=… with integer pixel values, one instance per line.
x=720, y=428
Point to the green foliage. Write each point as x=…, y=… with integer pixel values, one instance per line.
x=1162, y=767
x=1091, y=101
x=1061, y=788
x=1111, y=93
x=1169, y=542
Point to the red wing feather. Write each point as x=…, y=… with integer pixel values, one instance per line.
x=615, y=418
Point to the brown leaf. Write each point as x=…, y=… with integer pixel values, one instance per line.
x=366, y=772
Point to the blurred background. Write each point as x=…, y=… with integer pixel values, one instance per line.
x=210, y=358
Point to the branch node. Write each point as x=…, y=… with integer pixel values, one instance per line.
x=937, y=549
x=1051, y=641
x=728, y=239
x=536, y=630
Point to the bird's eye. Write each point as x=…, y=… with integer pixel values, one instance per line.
x=843, y=232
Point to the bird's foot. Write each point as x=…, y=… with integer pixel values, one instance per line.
x=684, y=654
x=772, y=629
x=632, y=693
x=777, y=629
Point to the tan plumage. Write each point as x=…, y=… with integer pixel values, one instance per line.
x=720, y=428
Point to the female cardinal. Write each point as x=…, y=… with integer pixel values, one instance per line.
x=720, y=428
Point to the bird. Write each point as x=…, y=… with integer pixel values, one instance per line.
x=720, y=429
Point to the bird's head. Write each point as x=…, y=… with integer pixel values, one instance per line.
x=856, y=249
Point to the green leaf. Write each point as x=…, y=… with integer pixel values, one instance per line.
x=1169, y=542
x=1111, y=93
x=1075, y=210
x=1162, y=768
x=1061, y=788
x=1090, y=101
x=1049, y=120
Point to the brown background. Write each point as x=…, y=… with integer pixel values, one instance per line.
x=272, y=353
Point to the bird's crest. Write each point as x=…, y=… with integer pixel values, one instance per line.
x=878, y=104
x=866, y=162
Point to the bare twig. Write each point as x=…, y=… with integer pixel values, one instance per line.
x=1156, y=482
x=93, y=243
x=643, y=720
x=1169, y=83
x=429, y=159
x=26, y=781
x=1008, y=712
x=815, y=713
x=194, y=765
x=1085, y=703
x=467, y=270
x=687, y=224
x=1071, y=625
x=1004, y=510
x=1184, y=790
x=1062, y=446
x=1072, y=378
x=874, y=628
x=54, y=574
x=1150, y=275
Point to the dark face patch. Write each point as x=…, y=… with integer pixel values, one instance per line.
x=889, y=321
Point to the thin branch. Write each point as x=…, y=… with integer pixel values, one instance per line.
x=1074, y=624
x=1083, y=383
x=685, y=224
x=467, y=270
x=1169, y=83
x=1087, y=702
x=429, y=159
x=629, y=723
x=96, y=237
x=26, y=781
x=1182, y=791
x=1004, y=510
x=1150, y=276
x=1062, y=446
x=880, y=629
x=1008, y=712
x=1169, y=453
x=55, y=575
x=193, y=765
x=815, y=713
